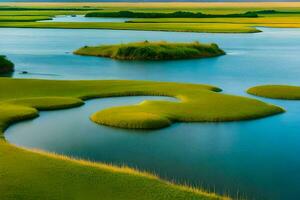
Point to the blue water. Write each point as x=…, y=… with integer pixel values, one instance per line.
x=258, y=159
x=81, y=18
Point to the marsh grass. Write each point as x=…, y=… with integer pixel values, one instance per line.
x=276, y=91
x=198, y=103
x=286, y=16
x=153, y=51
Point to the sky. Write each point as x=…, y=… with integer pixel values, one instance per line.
x=149, y=0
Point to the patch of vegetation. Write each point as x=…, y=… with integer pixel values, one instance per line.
x=23, y=18
x=6, y=66
x=276, y=91
x=182, y=27
x=272, y=12
x=177, y=14
x=20, y=98
x=153, y=51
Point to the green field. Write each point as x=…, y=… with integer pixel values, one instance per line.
x=153, y=51
x=276, y=91
x=287, y=15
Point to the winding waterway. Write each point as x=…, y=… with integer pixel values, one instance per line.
x=257, y=158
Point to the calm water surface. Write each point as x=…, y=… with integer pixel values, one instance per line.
x=258, y=158
x=81, y=18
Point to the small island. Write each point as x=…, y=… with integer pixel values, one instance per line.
x=286, y=92
x=6, y=66
x=153, y=51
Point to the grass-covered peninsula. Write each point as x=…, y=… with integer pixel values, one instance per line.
x=152, y=51
x=27, y=174
x=276, y=91
x=6, y=66
x=198, y=103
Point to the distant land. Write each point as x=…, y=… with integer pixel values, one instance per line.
x=148, y=1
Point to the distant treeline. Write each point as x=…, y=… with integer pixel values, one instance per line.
x=10, y=8
x=272, y=12
x=178, y=14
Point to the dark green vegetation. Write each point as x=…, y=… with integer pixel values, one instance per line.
x=276, y=91
x=153, y=51
x=177, y=14
x=272, y=12
x=6, y=66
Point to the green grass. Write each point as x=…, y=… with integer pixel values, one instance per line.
x=6, y=66
x=287, y=15
x=30, y=174
x=152, y=51
x=180, y=27
x=34, y=175
x=276, y=91
x=198, y=103
x=23, y=18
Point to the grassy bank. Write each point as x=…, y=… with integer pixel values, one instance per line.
x=276, y=91
x=33, y=175
x=6, y=66
x=153, y=51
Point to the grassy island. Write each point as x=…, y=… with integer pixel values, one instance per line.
x=152, y=51
x=6, y=66
x=276, y=91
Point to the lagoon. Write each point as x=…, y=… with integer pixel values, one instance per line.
x=257, y=158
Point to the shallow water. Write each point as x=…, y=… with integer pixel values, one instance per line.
x=258, y=158
x=81, y=18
